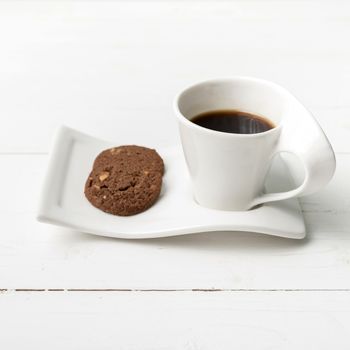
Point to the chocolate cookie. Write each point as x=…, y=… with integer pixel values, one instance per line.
x=125, y=180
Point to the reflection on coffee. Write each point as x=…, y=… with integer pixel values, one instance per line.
x=233, y=121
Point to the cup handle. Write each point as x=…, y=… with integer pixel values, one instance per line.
x=316, y=154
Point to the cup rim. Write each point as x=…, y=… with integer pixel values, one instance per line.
x=189, y=123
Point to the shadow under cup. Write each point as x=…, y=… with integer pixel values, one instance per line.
x=228, y=170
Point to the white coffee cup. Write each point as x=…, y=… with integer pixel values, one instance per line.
x=228, y=171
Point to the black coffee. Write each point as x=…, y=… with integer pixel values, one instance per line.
x=233, y=121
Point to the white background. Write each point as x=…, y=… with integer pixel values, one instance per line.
x=111, y=69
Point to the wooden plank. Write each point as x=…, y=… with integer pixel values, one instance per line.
x=35, y=255
x=175, y=320
x=113, y=69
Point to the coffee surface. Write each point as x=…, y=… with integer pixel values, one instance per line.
x=233, y=121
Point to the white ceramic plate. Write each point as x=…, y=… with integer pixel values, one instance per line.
x=63, y=202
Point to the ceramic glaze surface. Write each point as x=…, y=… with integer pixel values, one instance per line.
x=175, y=213
x=228, y=171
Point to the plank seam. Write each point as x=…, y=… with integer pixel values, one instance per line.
x=211, y=290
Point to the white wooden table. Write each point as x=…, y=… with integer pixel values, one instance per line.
x=112, y=68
